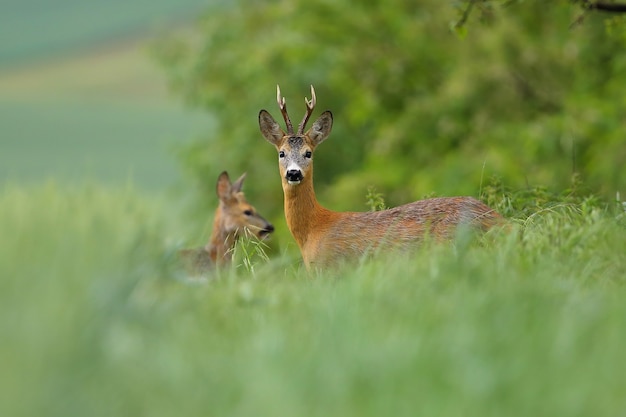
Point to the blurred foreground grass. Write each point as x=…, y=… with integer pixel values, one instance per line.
x=95, y=320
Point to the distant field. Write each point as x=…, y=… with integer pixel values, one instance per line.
x=35, y=29
x=82, y=99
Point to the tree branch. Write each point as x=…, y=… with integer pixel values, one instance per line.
x=607, y=6
x=465, y=15
x=604, y=6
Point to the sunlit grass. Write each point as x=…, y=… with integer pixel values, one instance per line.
x=95, y=322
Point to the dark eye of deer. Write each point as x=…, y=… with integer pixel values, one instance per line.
x=307, y=154
x=248, y=212
x=281, y=154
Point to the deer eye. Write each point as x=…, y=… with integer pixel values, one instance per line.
x=281, y=154
x=307, y=154
x=247, y=212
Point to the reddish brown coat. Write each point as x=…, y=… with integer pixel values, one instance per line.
x=326, y=237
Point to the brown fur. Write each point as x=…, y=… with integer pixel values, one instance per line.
x=233, y=217
x=326, y=237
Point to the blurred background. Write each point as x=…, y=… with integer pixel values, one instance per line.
x=116, y=117
x=165, y=94
x=80, y=97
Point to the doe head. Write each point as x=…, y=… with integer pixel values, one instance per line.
x=235, y=215
x=295, y=149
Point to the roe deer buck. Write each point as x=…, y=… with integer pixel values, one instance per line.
x=325, y=236
x=234, y=216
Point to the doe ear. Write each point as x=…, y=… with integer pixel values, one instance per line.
x=237, y=185
x=321, y=128
x=223, y=186
x=270, y=128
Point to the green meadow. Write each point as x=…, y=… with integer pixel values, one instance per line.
x=104, y=116
x=81, y=97
x=97, y=319
x=104, y=176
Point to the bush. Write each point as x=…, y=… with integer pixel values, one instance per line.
x=525, y=96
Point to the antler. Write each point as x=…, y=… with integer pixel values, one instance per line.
x=310, y=105
x=283, y=109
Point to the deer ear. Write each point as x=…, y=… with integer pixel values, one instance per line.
x=223, y=186
x=236, y=186
x=270, y=128
x=321, y=128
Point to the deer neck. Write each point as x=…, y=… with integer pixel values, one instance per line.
x=302, y=211
x=220, y=244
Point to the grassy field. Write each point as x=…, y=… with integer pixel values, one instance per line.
x=96, y=319
x=81, y=97
x=105, y=116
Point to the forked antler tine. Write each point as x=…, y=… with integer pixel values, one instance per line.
x=283, y=109
x=310, y=105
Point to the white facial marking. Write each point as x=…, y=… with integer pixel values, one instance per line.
x=293, y=166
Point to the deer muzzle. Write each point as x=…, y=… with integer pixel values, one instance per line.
x=265, y=232
x=294, y=176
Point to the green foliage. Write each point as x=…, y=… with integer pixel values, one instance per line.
x=616, y=27
x=525, y=96
x=522, y=203
x=374, y=200
x=249, y=252
x=611, y=11
x=95, y=322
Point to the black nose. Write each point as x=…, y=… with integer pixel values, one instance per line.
x=294, y=175
x=263, y=233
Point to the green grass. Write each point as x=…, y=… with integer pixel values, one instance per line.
x=94, y=104
x=97, y=320
x=104, y=115
x=108, y=142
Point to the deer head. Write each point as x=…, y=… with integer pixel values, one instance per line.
x=235, y=215
x=295, y=150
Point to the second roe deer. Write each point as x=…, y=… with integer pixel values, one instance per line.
x=234, y=217
x=325, y=236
